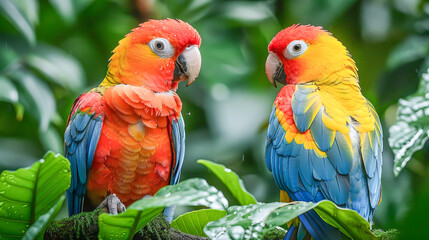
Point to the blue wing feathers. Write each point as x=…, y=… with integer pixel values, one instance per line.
x=318, y=228
x=289, y=232
x=292, y=174
x=81, y=163
x=305, y=105
x=178, y=138
x=312, y=222
x=348, y=175
x=279, y=136
x=305, y=169
x=295, y=149
x=374, y=189
x=268, y=154
x=93, y=136
x=368, y=156
x=323, y=137
x=272, y=114
x=83, y=122
x=72, y=146
x=339, y=189
x=303, y=122
x=282, y=166
x=358, y=198
x=302, y=232
x=340, y=154
x=301, y=107
x=81, y=139
x=323, y=168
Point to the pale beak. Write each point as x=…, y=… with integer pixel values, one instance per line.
x=188, y=65
x=274, y=70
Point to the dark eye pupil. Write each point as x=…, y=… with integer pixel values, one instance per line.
x=297, y=47
x=159, y=45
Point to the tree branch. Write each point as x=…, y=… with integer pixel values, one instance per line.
x=85, y=226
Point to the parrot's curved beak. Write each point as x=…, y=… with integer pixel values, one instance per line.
x=274, y=70
x=188, y=65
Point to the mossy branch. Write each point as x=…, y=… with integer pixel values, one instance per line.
x=85, y=226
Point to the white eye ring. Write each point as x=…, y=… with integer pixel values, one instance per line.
x=295, y=49
x=161, y=47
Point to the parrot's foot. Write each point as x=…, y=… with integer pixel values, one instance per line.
x=147, y=196
x=112, y=204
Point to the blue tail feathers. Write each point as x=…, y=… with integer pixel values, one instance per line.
x=316, y=227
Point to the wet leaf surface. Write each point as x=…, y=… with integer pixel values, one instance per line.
x=26, y=194
x=192, y=192
x=254, y=221
x=195, y=221
x=410, y=132
x=232, y=182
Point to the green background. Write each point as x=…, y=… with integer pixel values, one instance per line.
x=64, y=51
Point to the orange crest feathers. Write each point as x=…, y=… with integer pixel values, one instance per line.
x=179, y=33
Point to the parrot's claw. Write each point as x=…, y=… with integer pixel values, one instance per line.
x=113, y=205
x=147, y=196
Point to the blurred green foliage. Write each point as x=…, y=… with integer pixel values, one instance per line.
x=51, y=51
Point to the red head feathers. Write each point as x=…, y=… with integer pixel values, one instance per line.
x=157, y=55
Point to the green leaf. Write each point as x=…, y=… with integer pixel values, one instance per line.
x=81, y=4
x=188, y=10
x=244, y=222
x=30, y=10
x=9, y=58
x=65, y=8
x=248, y=12
x=323, y=13
x=27, y=194
x=192, y=192
x=375, y=20
x=232, y=182
x=58, y=67
x=68, y=9
x=254, y=221
x=41, y=101
x=51, y=139
x=12, y=155
x=37, y=229
x=19, y=109
x=403, y=53
x=348, y=221
x=410, y=132
x=8, y=91
x=195, y=221
x=9, y=9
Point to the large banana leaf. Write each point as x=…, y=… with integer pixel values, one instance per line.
x=37, y=229
x=27, y=194
x=255, y=220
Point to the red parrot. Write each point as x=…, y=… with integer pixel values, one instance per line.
x=324, y=138
x=126, y=136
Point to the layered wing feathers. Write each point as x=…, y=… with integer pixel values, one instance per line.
x=80, y=141
x=311, y=154
x=178, y=141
